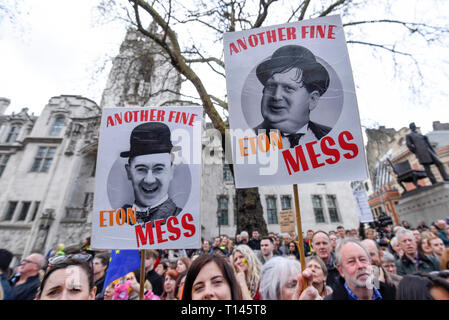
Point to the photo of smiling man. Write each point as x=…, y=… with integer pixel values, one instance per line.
x=150, y=171
x=293, y=83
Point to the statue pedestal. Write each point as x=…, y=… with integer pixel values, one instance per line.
x=428, y=204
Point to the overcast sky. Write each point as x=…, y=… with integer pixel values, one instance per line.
x=55, y=46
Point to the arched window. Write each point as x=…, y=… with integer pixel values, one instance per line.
x=57, y=126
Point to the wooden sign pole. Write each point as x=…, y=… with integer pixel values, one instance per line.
x=300, y=243
x=142, y=275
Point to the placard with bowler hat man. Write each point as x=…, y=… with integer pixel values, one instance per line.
x=293, y=83
x=150, y=170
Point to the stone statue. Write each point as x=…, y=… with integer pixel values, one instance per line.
x=420, y=146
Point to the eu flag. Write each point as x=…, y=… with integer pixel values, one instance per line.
x=121, y=263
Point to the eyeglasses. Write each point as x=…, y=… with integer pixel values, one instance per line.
x=28, y=261
x=78, y=256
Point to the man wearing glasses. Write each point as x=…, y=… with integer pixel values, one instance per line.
x=293, y=84
x=28, y=284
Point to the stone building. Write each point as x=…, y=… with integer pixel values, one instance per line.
x=48, y=162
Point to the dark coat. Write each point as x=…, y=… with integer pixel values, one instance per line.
x=317, y=129
x=425, y=264
x=27, y=290
x=164, y=211
x=387, y=292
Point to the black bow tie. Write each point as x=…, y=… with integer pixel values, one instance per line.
x=294, y=139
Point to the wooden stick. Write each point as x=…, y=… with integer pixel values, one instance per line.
x=142, y=275
x=300, y=242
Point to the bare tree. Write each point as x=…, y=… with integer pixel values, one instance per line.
x=190, y=35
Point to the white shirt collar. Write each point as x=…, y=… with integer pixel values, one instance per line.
x=138, y=208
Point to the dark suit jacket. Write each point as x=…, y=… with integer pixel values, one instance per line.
x=164, y=211
x=387, y=292
x=318, y=130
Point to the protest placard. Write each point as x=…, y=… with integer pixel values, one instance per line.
x=147, y=192
x=287, y=221
x=292, y=105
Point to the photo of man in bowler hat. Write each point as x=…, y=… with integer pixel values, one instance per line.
x=293, y=83
x=150, y=171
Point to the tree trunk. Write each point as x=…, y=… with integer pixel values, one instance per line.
x=250, y=211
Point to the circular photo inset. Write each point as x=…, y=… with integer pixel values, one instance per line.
x=326, y=113
x=120, y=190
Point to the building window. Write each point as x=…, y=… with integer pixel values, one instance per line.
x=222, y=210
x=227, y=174
x=13, y=133
x=43, y=159
x=10, y=211
x=3, y=160
x=332, y=207
x=36, y=209
x=318, y=208
x=272, y=213
x=286, y=202
x=57, y=126
x=24, y=211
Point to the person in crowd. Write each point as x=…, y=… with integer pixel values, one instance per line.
x=217, y=242
x=157, y=281
x=341, y=232
x=437, y=246
x=405, y=224
x=434, y=229
x=267, y=249
x=417, y=234
x=444, y=265
x=224, y=244
x=162, y=267
x=308, y=249
x=412, y=261
x=70, y=279
x=277, y=246
x=100, y=265
x=333, y=238
x=28, y=283
x=423, y=246
x=441, y=226
x=244, y=238
x=281, y=279
x=182, y=264
x=254, y=243
x=356, y=283
x=354, y=234
x=370, y=233
x=5, y=260
x=211, y=277
x=319, y=272
x=247, y=268
x=423, y=287
x=376, y=255
x=109, y=291
x=397, y=251
x=180, y=284
x=293, y=250
x=169, y=292
x=323, y=248
x=389, y=263
x=284, y=248
x=422, y=226
x=238, y=239
x=206, y=247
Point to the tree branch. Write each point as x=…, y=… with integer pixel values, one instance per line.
x=331, y=7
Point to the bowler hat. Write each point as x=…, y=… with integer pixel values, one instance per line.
x=294, y=56
x=149, y=138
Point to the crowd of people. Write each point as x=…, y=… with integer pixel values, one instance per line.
x=394, y=263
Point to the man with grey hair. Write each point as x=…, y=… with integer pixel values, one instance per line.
x=354, y=265
x=412, y=260
x=441, y=224
x=244, y=237
x=28, y=284
x=376, y=260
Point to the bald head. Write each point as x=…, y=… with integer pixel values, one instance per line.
x=374, y=251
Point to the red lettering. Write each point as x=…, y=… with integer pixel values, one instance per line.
x=348, y=146
x=281, y=35
x=171, y=227
x=188, y=226
x=171, y=116
x=300, y=157
x=118, y=117
x=252, y=39
x=159, y=231
x=291, y=33
x=262, y=41
x=160, y=115
x=109, y=122
x=242, y=44
x=325, y=143
x=321, y=31
x=233, y=48
x=144, y=237
x=331, y=33
x=192, y=118
x=271, y=36
x=153, y=115
x=143, y=116
x=128, y=116
x=313, y=156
